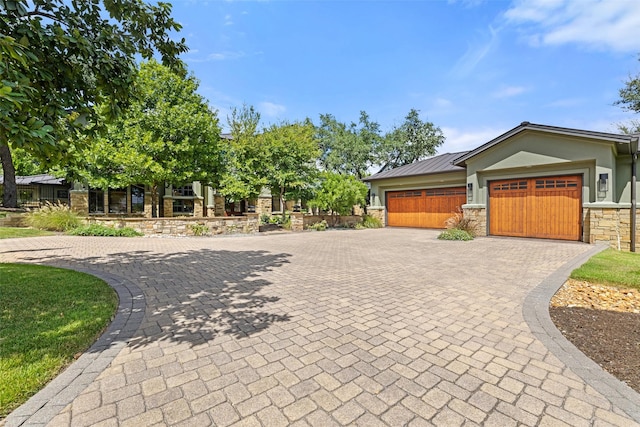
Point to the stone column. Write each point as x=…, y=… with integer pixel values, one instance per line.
x=297, y=221
x=79, y=200
x=168, y=206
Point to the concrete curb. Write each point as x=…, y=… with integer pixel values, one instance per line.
x=41, y=408
x=536, y=313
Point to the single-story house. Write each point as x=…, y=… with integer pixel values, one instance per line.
x=35, y=190
x=532, y=181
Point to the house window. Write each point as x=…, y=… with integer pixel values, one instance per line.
x=96, y=201
x=62, y=195
x=182, y=206
x=185, y=191
x=137, y=198
x=118, y=201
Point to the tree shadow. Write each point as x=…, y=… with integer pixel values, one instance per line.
x=192, y=296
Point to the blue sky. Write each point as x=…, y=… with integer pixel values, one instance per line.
x=474, y=68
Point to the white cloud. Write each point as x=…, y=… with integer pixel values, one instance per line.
x=566, y=103
x=509, y=91
x=598, y=24
x=218, y=56
x=442, y=103
x=270, y=109
x=476, y=53
x=464, y=140
x=228, y=20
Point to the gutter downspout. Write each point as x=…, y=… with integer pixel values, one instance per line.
x=634, y=175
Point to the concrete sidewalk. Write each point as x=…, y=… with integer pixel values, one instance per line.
x=373, y=327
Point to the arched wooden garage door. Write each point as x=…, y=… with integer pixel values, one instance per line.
x=547, y=207
x=423, y=208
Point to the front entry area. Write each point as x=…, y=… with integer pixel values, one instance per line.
x=545, y=207
x=428, y=208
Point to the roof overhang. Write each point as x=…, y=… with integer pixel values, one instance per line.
x=623, y=142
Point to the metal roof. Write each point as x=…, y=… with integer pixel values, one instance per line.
x=36, y=179
x=622, y=139
x=437, y=164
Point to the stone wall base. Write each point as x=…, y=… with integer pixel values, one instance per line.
x=610, y=225
x=333, y=221
x=378, y=213
x=183, y=226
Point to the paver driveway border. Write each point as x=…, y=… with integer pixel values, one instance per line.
x=536, y=313
x=62, y=390
x=45, y=405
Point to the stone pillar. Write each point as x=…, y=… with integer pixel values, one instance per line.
x=297, y=221
x=253, y=223
x=168, y=206
x=198, y=206
x=218, y=202
x=79, y=201
x=263, y=205
x=479, y=217
x=148, y=206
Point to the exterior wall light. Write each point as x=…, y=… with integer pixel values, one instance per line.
x=469, y=192
x=602, y=182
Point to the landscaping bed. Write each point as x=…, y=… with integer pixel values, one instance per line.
x=604, y=323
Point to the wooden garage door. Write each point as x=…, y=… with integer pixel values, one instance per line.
x=423, y=208
x=547, y=207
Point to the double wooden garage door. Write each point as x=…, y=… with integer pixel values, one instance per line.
x=547, y=207
x=424, y=208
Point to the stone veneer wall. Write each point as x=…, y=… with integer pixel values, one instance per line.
x=183, y=226
x=79, y=201
x=377, y=212
x=479, y=216
x=167, y=204
x=340, y=220
x=612, y=225
x=263, y=205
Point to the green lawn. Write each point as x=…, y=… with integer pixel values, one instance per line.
x=47, y=315
x=10, y=232
x=611, y=267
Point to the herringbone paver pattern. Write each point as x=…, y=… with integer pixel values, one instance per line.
x=376, y=327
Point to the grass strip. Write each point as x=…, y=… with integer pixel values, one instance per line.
x=14, y=232
x=47, y=316
x=611, y=267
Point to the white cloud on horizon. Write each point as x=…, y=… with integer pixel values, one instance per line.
x=270, y=109
x=597, y=24
x=464, y=140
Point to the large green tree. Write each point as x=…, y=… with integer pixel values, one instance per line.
x=59, y=59
x=339, y=193
x=413, y=140
x=244, y=158
x=348, y=149
x=168, y=134
x=290, y=152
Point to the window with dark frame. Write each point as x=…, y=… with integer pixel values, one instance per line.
x=137, y=198
x=96, y=201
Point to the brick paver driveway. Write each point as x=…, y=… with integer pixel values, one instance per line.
x=375, y=327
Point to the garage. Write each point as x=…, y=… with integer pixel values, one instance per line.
x=428, y=208
x=544, y=207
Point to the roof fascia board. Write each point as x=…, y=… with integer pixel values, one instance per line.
x=607, y=137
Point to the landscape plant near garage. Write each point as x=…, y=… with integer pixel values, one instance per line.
x=53, y=217
x=47, y=316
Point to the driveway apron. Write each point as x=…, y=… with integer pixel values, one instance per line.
x=374, y=327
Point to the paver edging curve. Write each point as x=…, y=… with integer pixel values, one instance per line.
x=42, y=407
x=535, y=311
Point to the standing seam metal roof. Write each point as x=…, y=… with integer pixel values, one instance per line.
x=437, y=164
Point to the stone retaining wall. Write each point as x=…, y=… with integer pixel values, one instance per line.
x=184, y=226
x=333, y=221
x=479, y=217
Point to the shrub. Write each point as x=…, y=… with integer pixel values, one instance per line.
x=264, y=219
x=455, y=234
x=199, y=229
x=369, y=221
x=318, y=226
x=53, y=217
x=459, y=222
x=103, y=230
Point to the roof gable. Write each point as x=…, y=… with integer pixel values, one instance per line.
x=613, y=138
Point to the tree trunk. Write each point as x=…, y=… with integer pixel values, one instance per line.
x=154, y=200
x=10, y=196
x=283, y=205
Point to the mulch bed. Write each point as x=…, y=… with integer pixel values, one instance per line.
x=604, y=323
